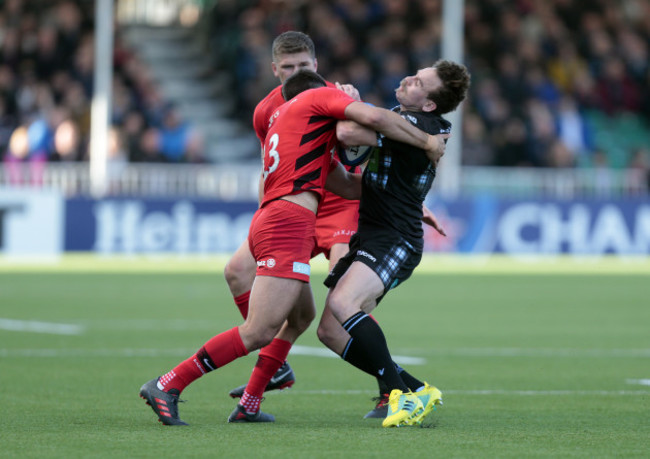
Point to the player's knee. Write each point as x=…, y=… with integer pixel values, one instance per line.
x=324, y=334
x=300, y=323
x=231, y=271
x=238, y=275
x=261, y=338
x=306, y=319
x=339, y=306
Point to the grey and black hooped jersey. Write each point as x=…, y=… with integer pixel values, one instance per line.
x=397, y=178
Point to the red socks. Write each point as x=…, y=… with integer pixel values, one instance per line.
x=242, y=303
x=218, y=351
x=268, y=363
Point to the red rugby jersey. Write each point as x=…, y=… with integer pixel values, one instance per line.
x=265, y=108
x=300, y=142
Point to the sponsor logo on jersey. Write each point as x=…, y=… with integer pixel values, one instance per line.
x=343, y=233
x=301, y=268
x=273, y=117
x=363, y=253
x=270, y=263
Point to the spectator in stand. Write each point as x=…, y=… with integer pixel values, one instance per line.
x=117, y=158
x=7, y=125
x=194, y=152
x=541, y=133
x=174, y=136
x=23, y=166
x=48, y=56
x=147, y=150
x=616, y=90
x=565, y=66
x=133, y=126
x=540, y=87
x=559, y=156
x=39, y=137
x=573, y=129
x=477, y=149
x=640, y=165
x=67, y=143
x=510, y=144
x=602, y=180
x=635, y=53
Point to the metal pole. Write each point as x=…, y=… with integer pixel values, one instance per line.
x=100, y=113
x=452, y=49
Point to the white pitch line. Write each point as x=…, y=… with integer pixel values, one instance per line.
x=324, y=352
x=546, y=392
x=295, y=350
x=40, y=327
x=535, y=352
x=640, y=382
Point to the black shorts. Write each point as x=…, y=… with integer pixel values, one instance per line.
x=392, y=257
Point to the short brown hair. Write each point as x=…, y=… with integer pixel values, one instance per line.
x=292, y=42
x=455, y=83
x=301, y=81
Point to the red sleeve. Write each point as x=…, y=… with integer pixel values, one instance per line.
x=264, y=110
x=331, y=102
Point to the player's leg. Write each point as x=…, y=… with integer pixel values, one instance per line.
x=272, y=299
x=350, y=302
x=331, y=333
x=352, y=298
x=240, y=274
x=282, y=243
x=271, y=358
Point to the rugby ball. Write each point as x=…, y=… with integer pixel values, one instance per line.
x=353, y=156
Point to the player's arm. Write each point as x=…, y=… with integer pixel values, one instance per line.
x=393, y=126
x=350, y=133
x=345, y=184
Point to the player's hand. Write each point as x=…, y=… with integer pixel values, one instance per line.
x=436, y=147
x=430, y=219
x=349, y=90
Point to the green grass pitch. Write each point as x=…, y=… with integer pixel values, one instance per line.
x=534, y=359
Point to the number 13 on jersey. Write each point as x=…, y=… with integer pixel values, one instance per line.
x=274, y=156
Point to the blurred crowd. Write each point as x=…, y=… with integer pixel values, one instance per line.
x=556, y=83
x=46, y=84
x=548, y=76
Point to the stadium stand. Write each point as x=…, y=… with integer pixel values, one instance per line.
x=543, y=71
x=556, y=85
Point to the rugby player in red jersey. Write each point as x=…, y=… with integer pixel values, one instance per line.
x=337, y=217
x=298, y=165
